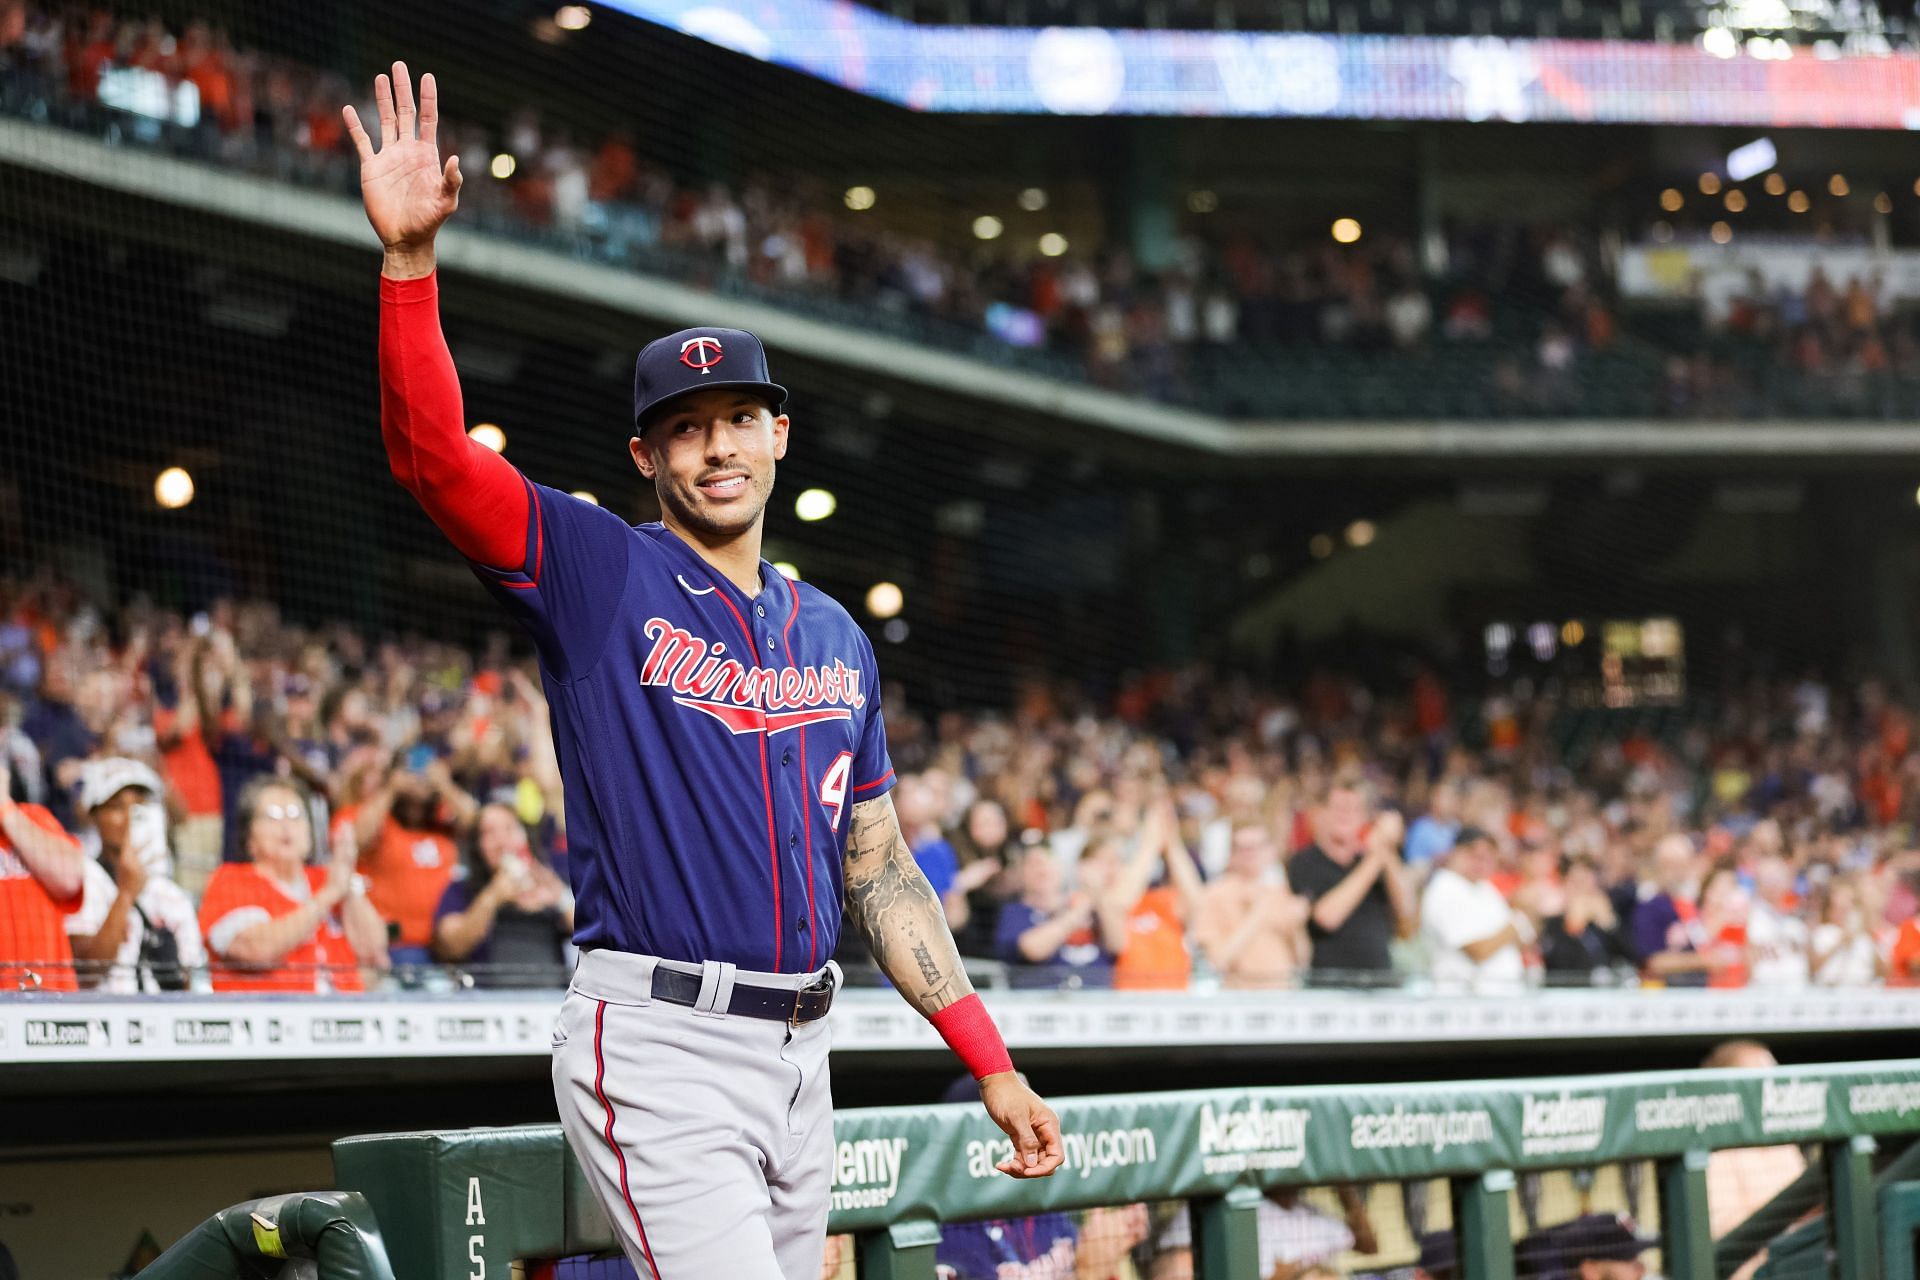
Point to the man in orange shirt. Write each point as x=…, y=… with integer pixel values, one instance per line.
x=407, y=853
x=42, y=881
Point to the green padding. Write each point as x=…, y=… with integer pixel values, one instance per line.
x=896, y=1163
x=467, y=1195
x=252, y=1241
x=1900, y=1230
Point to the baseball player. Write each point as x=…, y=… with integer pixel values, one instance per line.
x=720, y=739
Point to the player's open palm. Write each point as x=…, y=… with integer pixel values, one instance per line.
x=408, y=191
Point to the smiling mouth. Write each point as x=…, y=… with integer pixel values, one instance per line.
x=726, y=485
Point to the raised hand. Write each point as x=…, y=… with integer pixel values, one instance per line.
x=408, y=191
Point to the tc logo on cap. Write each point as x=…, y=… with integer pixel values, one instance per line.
x=701, y=353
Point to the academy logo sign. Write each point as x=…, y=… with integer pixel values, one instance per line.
x=1561, y=1124
x=866, y=1172
x=1788, y=1106
x=1258, y=1137
x=1434, y=1130
x=1680, y=1111
x=1080, y=1152
x=1883, y=1099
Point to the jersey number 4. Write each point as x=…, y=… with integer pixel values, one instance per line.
x=833, y=785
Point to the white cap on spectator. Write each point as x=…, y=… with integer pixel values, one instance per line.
x=101, y=780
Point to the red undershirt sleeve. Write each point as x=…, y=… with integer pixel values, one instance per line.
x=476, y=497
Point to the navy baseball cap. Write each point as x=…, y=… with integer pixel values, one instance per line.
x=699, y=360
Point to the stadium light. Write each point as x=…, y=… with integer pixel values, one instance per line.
x=587, y=496
x=490, y=435
x=1033, y=199
x=1721, y=232
x=1053, y=244
x=1346, y=230
x=788, y=569
x=1837, y=184
x=573, y=17
x=1709, y=184
x=1798, y=202
x=859, y=199
x=1916, y=497
x=895, y=632
x=503, y=166
x=1736, y=200
x=1776, y=185
x=885, y=600
x=1671, y=200
x=1320, y=546
x=1751, y=160
x=1572, y=633
x=815, y=504
x=1360, y=533
x=173, y=488
x=1202, y=201
x=987, y=227
x=1720, y=42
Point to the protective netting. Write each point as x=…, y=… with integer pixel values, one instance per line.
x=1105, y=633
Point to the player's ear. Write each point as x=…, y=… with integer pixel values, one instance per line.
x=780, y=424
x=642, y=456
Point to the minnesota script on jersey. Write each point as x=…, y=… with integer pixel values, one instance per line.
x=710, y=742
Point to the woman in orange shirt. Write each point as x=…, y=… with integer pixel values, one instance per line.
x=277, y=924
x=1146, y=927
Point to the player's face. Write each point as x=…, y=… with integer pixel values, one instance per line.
x=711, y=458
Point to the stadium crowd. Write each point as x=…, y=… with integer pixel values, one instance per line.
x=303, y=808
x=1538, y=302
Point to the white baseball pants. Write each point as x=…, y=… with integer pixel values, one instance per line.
x=707, y=1136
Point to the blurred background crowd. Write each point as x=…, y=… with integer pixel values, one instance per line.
x=312, y=809
x=1521, y=314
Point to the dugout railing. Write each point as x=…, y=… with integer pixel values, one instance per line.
x=474, y=1203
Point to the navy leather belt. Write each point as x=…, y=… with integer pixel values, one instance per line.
x=776, y=1004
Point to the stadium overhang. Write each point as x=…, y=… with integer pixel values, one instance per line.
x=1024, y=398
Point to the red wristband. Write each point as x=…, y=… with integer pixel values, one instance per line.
x=968, y=1029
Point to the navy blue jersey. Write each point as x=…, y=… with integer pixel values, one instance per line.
x=711, y=742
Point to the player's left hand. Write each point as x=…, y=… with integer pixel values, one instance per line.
x=1031, y=1124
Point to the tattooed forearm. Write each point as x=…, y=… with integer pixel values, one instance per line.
x=928, y=969
x=891, y=903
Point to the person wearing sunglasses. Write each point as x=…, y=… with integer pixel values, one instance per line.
x=276, y=923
